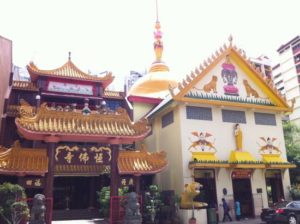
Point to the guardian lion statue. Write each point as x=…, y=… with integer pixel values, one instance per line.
x=37, y=215
x=187, y=197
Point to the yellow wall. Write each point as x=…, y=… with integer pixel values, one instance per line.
x=140, y=110
x=168, y=139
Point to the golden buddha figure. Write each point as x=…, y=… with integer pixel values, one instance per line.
x=238, y=135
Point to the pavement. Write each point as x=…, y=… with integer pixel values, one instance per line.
x=101, y=221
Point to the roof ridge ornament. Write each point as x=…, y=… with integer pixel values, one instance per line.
x=69, y=58
x=230, y=39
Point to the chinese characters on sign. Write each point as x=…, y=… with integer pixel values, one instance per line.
x=32, y=182
x=76, y=155
x=126, y=181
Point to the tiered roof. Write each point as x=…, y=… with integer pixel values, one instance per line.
x=68, y=71
x=141, y=162
x=96, y=126
x=23, y=161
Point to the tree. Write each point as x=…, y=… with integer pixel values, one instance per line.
x=13, y=205
x=292, y=145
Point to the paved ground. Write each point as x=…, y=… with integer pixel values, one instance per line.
x=249, y=221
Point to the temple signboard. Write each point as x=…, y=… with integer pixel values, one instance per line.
x=241, y=174
x=32, y=182
x=80, y=155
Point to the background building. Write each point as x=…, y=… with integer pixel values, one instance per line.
x=5, y=70
x=286, y=74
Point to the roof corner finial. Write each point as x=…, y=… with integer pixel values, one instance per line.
x=69, y=55
x=230, y=38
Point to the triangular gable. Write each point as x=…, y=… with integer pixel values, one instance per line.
x=229, y=79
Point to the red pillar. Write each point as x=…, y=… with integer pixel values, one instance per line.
x=50, y=175
x=137, y=184
x=114, y=174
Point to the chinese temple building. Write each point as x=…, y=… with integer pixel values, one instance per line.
x=222, y=127
x=67, y=136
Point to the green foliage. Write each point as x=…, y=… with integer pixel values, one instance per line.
x=292, y=141
x=295, y=192
x=104, y=199
x=13, y=205
x=152, y=203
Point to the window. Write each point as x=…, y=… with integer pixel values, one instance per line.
x=199, y=113
x=265, y=119
x=167, y=119
x=234, y=116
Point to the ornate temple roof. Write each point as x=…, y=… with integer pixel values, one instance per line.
x=68, y=71
x=23, y=161
x=141, y=162
x=25, y=85
x=86, y=126
x=265, y=83
x=156, y=83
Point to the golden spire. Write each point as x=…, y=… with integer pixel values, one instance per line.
x=158, y=44
x=158, y=65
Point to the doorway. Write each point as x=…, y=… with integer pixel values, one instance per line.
x=274, y=186
x=208, y=193
x=75, y=192
x=242, y=192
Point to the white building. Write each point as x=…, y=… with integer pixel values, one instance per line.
x=195, y=124
x=286, y=74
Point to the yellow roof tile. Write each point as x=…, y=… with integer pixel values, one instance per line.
x=68, y=71
x=141, y=162
x=25, y=85
x=71, y=123
x=23, y=161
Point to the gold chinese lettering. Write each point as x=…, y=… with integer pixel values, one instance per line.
x=28, y=182
x=84, y=157
x=130, y=182
x=99, y=157
x=123, y=182
x=37, y=183
x=69, y=157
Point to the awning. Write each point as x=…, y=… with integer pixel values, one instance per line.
x=243, y=159
x=275, y=161
x=207, y=160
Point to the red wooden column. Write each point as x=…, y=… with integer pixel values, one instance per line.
x=51, y=143
x=137, y=184
x=114, y=173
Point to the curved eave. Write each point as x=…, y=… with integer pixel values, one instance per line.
x=22, y=173
x=142, y=172
x=232, y=104
x=72, y=137
x=208, y=165
x=35, y=74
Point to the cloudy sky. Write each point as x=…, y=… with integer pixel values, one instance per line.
x=117, y=35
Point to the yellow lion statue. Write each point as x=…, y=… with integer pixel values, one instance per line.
x=191, y=190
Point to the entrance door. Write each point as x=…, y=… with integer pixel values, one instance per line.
x=74, y=192
x=274, y=186
x=242, y=192
x=208, y=192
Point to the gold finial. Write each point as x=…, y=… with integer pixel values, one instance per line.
x=158, y=44
x=69, y=55
x=230, y=38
